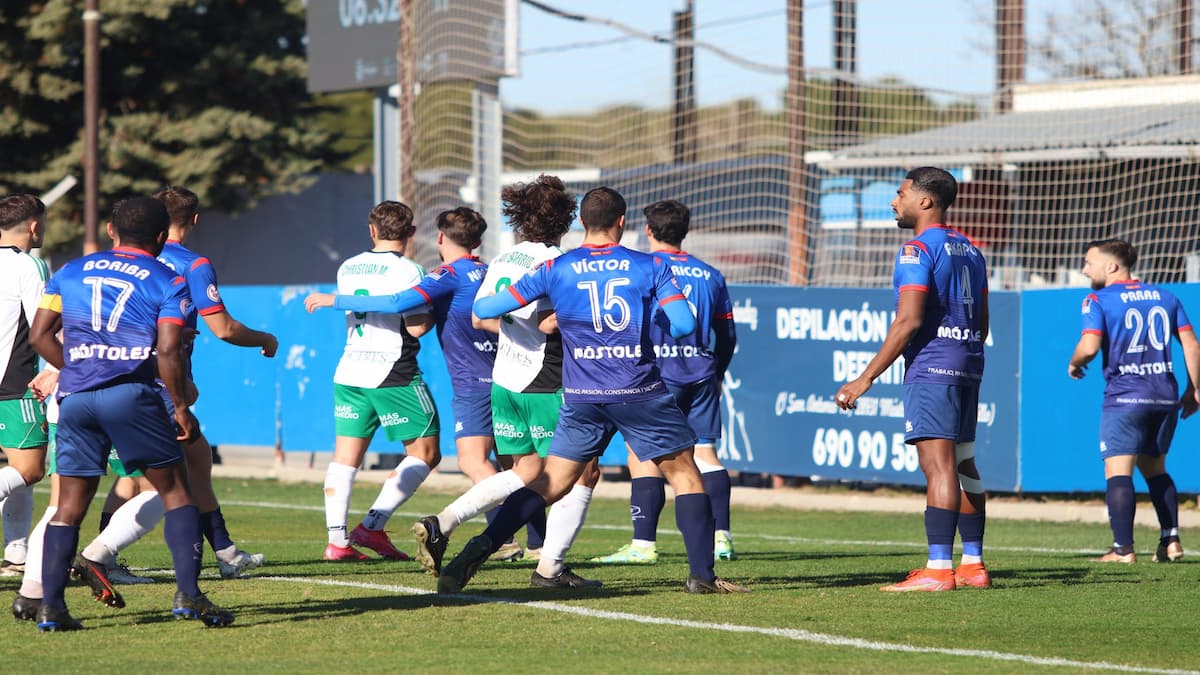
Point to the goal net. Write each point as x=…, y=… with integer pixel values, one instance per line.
x=789, y=165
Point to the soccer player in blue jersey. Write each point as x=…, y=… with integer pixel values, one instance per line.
x=184, y=209
x=604, y=296
x=692, y=368
x=1132, y=324
x=116, y=310
x=940, y=327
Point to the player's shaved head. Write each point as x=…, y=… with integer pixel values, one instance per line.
x=600, y=208
x=668, y=220
x=139, y=221
x=1122, y=251
x=182, y=204
x=20, y=208
x=463, y=226
x=393, y=221
x=540, y=211
x=935, y=182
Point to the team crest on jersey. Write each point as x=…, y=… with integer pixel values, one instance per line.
x=1087, y=305
x=212, y=293
x=910, y=255
x=185, y=306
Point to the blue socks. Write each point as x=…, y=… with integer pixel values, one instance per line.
x=57, y=554
x=213, y=526
x=1121, y=507
x=181, y=530
x=1166, y=505
x=693, y=516
x=717, y=487
x=970, y=528
x=535, y=530
x=647, y=497
x=517, y=510
x=940, y=525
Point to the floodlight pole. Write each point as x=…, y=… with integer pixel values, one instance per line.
x=797, y=225
x=684, y=119
x=1010, y=50
x=91, y=126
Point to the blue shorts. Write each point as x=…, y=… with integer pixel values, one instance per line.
x=1137, y=432
x=701, y=402
x=652, y=428
x=130, y=417
x=933, y=410
x=472, y=414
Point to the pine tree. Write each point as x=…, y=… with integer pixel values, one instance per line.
x=209, y=94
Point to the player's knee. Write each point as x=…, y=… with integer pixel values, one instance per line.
x=970, y=484
x=32, y=473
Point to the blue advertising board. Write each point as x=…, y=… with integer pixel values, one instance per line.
x=797, y=346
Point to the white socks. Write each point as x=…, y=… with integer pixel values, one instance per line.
x=563, y=524
x=339, y=482
x=129, y=523
x=10, y=480
x=482, y=496
x=31, y=584
x=401, y=485
x=18, y=516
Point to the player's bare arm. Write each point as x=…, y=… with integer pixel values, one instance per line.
x=490, y=325
x=172, y=368
x=547, y=323
x=316, y=301
x=909, y=312
x=236, y=333
x=1190, y=401
x=43, y=384
x=418, y=324
x=1085, y=351
x=43, y=336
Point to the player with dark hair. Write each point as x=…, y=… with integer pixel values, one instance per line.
x=22, y=436
x=121, y=313
x=378, y=383
x=526, y=392
x=604, y=296
x=1132, y=323
x=940, y=327
x=470, y=353
x=183, y=209
x=692, y=371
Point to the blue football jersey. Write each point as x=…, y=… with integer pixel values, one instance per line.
x=948, y=348
x=691, y=358
x=201, y=280
x=605, y=298
x=1136, y=323
x=470, y=352
x=111, y=304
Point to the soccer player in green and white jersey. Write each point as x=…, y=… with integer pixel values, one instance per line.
x=22, y=422
x=526, y=387
x=378, y=383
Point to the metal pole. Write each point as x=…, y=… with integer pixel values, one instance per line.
x=684, y=147
x=1183, y=37
x=797, y=226
x=845, y=62
x=406, y=66
x=91, y=126
x=1010, y=50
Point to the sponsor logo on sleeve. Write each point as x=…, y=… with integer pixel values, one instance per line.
x=910, y=255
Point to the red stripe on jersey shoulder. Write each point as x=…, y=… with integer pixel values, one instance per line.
x=513, y=290
x=671, y=298
x=425, y=295
x=444, y=268
x=200, y=261
x=178, y=280
x=914, y=287
x=919, y=244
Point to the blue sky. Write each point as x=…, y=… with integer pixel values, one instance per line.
x=933, y=43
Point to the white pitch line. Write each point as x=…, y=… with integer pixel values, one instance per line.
x=796, y=634
x=741, y=535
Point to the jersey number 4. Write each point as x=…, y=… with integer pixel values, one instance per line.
x=124, y=291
